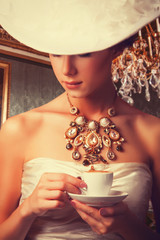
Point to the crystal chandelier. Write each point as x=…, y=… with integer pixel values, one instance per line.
x=139, y=66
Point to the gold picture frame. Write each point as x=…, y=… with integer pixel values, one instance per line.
x=5, y=72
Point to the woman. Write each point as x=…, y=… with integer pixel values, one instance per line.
x=37, y=170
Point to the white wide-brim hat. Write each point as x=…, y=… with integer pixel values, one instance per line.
x=75, y=26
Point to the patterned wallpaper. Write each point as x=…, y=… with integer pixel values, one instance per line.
x=32, y=84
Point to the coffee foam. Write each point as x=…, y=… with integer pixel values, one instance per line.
x=93, y=170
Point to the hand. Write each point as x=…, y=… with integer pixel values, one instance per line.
x=104, y=220
x=50, y=193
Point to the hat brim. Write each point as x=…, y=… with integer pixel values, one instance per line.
x=75, y=26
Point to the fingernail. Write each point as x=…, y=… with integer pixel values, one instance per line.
x=83, y=185
x=102, y=212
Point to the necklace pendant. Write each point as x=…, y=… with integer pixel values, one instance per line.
x=92, y=140
x=76, y=155
x=106, y=141
x=72, y=124
x=114, y=135
x=104, y=122
x=81, y=129
x=78, y=140
x=71, y=132
x=111, y=112
x=92, y=125
x=88, y=134
x=80, y=121
x=86, y=163
x=119, y=148
x=69, y=146
x=111, y=155
x=74, y=110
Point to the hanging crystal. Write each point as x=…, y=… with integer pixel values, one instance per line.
x=154, y=78
x=139, y=66
x=147, y=93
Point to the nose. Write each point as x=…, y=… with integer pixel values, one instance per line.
x=69, y=67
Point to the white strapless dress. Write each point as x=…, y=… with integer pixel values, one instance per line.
x=66, y=224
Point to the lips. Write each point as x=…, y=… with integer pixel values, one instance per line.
x=72, y=85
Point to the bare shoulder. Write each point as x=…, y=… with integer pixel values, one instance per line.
x=23, y=125
x=149, y=127
x=15, y=133
x=144, y=123
x=145, y=126
x=17, y=127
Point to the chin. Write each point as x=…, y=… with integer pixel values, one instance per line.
x=75, y=94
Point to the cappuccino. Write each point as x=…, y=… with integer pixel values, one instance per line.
x=98, y=182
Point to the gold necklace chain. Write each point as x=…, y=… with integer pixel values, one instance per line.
x=86, y=133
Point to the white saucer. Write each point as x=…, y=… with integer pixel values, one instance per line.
x=100, y=201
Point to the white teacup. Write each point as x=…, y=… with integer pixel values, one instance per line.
x=98, y=182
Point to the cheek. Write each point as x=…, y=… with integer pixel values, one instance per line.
x=95, y=70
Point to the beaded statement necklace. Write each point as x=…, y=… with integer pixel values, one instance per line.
x=86, y=133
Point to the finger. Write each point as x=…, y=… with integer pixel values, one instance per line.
x=54, y=195
x=91, y=211
x=60, y=185
x=43, y=205
x=115, y=210
x=51, y=204
x=65, y=178
x=88, y=216
x=66, y=186
x=55, y=204
x=97, y=226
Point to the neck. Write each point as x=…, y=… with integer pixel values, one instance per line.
x=94, y=107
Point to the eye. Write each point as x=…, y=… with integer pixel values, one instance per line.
x=85, y=55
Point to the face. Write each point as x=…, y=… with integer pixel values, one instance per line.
x=82, y=75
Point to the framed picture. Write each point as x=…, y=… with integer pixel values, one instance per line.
x=5, y=74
